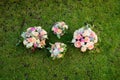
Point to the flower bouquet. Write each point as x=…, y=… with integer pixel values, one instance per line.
x=84, y=38
x=34, y=37
x=57, y=50
x=59, y=29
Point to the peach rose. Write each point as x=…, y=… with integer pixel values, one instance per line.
x=87, y=39
x=90, y=47
x=60, y=55
x=32, y=40
x=59, y=31
x=42, y=43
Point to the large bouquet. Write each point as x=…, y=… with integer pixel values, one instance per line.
x=84, y=38
x=34, y=37
x=59, y=29
x=58, y=50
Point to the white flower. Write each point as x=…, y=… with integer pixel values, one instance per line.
x=86, y=33
x=65, y=26
x=56, y=52
x=39, y=27
x=39, y=46
x=45, y=37
x=89, y=43
x=28, y=29
x=83, y=48
x=29, y=45
x=96, y=39
x=25, y=42
x=73, y=40
x=61, y=49
x=60, y=55
x=37, y=41
x=23, y=35
x=80, y=30
x=75, y=33
x=35, y=33
x=52, y=55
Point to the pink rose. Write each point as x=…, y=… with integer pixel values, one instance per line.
x=92, y=34
x=43, y=32
x=55, y=30
x=78, y=36
x=77, y=44
x=32, y=29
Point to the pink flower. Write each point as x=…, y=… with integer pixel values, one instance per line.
x=61, y=49
x=55, y=30
x=78, y=36
x=82, y=40
x=57, y=45
x=43, y=32
x=32, y=29
x=35, y=45
x=92, y=34
x=31, y=40
x=77, y=44
x=90, y=47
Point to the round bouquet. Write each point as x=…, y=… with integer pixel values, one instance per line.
x=58, y=50
x=59, y=29
x=84, y=38
x=34, y=37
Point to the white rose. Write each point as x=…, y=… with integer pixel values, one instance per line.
x=86, y=33
x=96, y=39
x=52, y=55
x=45, y=36
x=83, y=48
x=37, y=41
x=28, y=29
x=60, y=55
x=73, y=40
x=65, y=26
x=29, y=45
x=25, y=42
x=35, y=33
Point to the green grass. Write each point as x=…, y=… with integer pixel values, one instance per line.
x=19, y=63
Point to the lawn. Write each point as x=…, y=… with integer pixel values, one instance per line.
x=19, y=63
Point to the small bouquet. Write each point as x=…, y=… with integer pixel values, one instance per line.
x=34, y=37
x=84, y=38
x=58, y=50
x=59, y=29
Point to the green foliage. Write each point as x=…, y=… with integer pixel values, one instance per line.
x=19, y=63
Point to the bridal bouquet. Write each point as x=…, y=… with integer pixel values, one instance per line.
x=57, y=50
x=34, y=37
x=59, y=29
x=84, y=38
